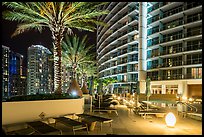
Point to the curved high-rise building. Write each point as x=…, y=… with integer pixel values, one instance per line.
x=159, y=40
x=117, y=44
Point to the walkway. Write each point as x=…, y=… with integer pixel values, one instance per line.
x=128, y=123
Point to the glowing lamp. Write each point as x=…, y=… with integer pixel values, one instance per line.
x=74, y=93
x=190, y=99
x=184, y=98
x=170, y=120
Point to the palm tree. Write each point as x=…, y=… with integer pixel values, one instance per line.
x=88, y=71
x=76, y=53
x=59, y=17
x=108, y=81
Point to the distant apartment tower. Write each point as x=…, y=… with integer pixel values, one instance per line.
x=17, y=85
x=5, y=71
x=38, y=70
x=51, y=73
x=13, y=81
x=159, y=40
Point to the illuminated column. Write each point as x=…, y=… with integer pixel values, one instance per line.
x=142, y=67
x=163, y=89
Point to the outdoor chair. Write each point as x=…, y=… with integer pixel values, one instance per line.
x=73, y=124
x=43, y=128
x=105, y=109
x=99, y=119
x=157, y=113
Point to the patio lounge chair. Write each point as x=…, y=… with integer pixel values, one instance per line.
x=73, y=124
x=101, y=120
x=158, y=113
x=106, y=109
x=43, y=128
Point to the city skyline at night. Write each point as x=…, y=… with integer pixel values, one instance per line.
x=138, y=73
x=21, y=42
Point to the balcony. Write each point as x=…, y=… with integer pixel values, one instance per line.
x=171, y=64
x=171, y=77
x=157, y=6
x=193, y=32
x=191, y=76
x=173, y=11
x=193, y=47
x=193, y=61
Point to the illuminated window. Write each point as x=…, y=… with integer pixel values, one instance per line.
x=136, y=36
x=170, y=62
x=168, y=74
x=196, y=72
x=125, y=77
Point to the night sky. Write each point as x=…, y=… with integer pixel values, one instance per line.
x=21, y=42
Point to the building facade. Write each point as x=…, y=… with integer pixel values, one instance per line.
x=174, y=48
x=117, y=44
x=168, y=46
x=38, y=70
x=15, y=74
x=5, y=72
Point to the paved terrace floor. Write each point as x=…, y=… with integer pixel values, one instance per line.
x=128, y=123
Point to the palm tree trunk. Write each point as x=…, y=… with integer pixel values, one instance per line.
x=91, y=87
x=57, y=36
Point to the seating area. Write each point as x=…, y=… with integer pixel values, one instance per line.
x=42, y=128
x=143, y=111
x=106, y=124
x=105, y=109
x=73, y=124
x=103, y=103
x=88, y=118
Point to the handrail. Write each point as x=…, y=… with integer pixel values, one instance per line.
x=188, y=105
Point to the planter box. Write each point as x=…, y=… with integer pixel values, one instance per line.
x=25, y=111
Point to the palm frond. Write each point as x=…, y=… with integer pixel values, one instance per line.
x=26, y=27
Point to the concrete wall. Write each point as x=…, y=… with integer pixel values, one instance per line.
x=25, y=111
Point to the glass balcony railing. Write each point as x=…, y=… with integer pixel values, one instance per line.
x=171, y=64
x=194, y=32
x=176, y=76
x=155, y=65
x=175, y=50
x=193, y=76
x=175, y=23
x=132, y=59
x=173, y=11
x=132, y=70
x=171, y=77
x=157, y=5
x=122, y=62
x=193, y=61
x=193, y=47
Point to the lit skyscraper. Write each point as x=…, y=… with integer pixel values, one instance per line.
x=38, y=70
x=15, y=73
x=159, y=40
x=13, y=83
x=5, y=71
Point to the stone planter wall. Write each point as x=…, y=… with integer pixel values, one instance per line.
x=25, y=111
